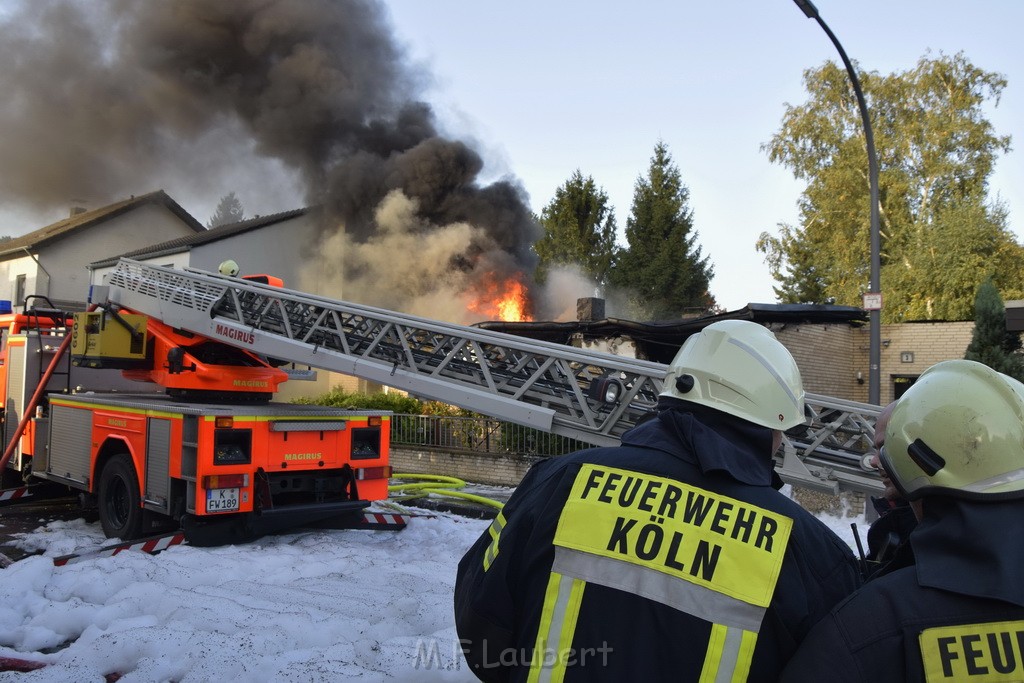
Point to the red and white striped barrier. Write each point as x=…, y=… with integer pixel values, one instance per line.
x=385, y=520
x=147, y=545
x=11, y=495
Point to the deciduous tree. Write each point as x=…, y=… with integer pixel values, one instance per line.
x=940, y=232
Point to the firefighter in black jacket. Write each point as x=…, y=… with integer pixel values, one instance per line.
x=671, y=557
x=954, y=447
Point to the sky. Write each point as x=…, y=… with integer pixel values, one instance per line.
x=539, y=89
x=306, y=606
x=546, y=88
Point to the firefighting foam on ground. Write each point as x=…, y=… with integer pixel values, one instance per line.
x=287, y=608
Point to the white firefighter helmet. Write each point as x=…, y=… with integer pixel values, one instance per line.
x=229, y=268
x=740, y=368
x=958, y=431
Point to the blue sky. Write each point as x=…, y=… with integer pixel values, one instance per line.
x=544, y=88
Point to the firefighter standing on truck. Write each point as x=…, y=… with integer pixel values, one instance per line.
x=672, y=557
x=954, y=447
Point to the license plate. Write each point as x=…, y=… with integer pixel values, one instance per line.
x=222, y=500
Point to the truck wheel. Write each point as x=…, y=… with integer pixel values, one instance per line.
x=120, y=507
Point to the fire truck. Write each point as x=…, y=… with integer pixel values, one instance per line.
x=205, y=449
x=212, y=453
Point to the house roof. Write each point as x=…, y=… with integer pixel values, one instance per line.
x=81, y=221
x=205, y=237
x=662, y=339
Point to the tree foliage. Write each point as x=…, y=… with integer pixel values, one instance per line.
x=662, y=265
x=991, y=344
x=229, y=210
x=579, y=229
x=940, y=234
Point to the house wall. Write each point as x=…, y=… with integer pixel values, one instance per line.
x=62, y=273
x=833, y=359
x=926, y=342
x=276, y=249
x=9, y=272
x=822, y=352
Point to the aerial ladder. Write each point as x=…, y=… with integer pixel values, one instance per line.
x=586, y=395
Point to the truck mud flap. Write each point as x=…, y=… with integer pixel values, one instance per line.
x=244, y=528
x=367, y=521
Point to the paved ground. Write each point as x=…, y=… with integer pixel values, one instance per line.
x=28, y=516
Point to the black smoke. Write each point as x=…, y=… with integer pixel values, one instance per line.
x=105, y=98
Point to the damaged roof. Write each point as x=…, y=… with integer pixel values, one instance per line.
x=660, y=340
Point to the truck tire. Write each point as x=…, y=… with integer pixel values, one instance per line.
x=120, y=506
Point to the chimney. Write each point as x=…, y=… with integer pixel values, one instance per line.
x=589, y=309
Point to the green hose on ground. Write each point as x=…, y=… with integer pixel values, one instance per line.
x=436, y=484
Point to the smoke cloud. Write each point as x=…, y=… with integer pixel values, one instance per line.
x=105, y=98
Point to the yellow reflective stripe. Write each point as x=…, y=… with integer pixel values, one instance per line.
x=728, y=657
x=990, y=652
x=553, y=646
x=495, y=531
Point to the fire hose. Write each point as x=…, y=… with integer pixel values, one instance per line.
x=435, y=484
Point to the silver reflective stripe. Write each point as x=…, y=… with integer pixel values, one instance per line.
x=730, y=655
x=986, y=484
x=767, y=366
x=675, y=592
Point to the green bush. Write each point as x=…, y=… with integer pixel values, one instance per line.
x=339, y=398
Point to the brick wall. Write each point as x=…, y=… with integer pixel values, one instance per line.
x=833, y=359
x=908, y=349
x=822, y=352
x=498, y=470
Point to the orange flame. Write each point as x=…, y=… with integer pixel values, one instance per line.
x=502, y=299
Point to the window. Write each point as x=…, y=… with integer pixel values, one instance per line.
x=19, y=290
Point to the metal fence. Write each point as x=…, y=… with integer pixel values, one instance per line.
x=478, y=435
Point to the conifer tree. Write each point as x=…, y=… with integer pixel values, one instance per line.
x=662, y=266
x=229, y=210
x=579, y=229
x=991, y=344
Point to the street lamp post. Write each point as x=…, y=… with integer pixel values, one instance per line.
x=875, y=349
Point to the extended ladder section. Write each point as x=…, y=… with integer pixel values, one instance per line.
x=543, y=385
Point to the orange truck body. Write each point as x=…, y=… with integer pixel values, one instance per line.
x=203, y=447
